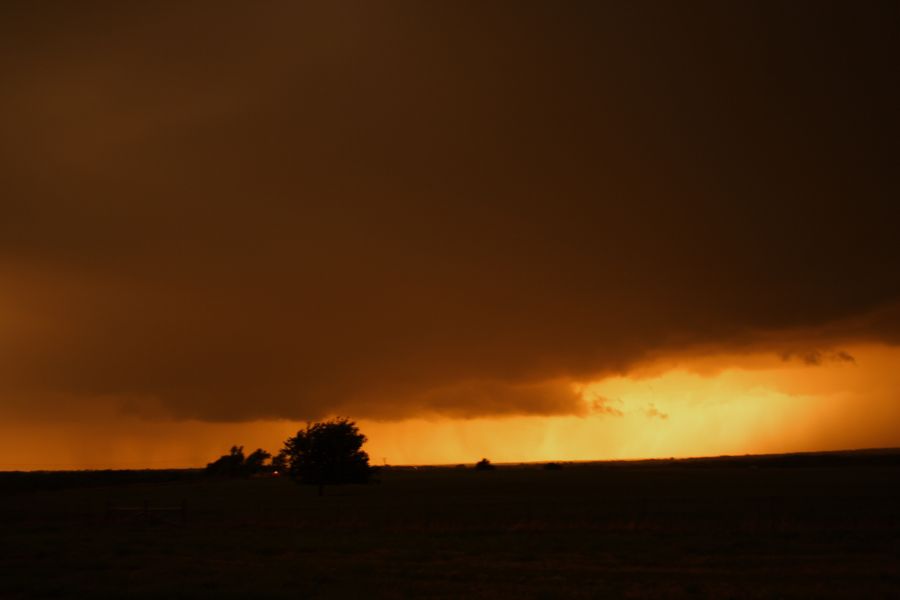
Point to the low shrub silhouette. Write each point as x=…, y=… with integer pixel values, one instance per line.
x=484, y=465
x=235, y=464
x=553, y=466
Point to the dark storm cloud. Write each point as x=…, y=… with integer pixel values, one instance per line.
x=245, y=210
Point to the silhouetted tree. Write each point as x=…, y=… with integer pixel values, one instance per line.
x=328, y=453
x=235, y=464
x=484, y=465
x=228, y=464
x=256, y=462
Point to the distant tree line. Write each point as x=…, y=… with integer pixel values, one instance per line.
x=325, y=453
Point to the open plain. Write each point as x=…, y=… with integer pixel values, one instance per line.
x=800, y=527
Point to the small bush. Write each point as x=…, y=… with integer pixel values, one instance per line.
x=484, y=465
x=552, y=466
x=235, y=464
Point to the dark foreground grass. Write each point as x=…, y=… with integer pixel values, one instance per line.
x=584, y=531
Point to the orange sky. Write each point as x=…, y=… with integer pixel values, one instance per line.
x=672, y=408
x=519, y=230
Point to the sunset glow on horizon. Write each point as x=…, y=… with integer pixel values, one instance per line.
x=529, y=231
x=693, y=409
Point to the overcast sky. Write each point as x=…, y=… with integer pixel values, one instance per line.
x=236, y=211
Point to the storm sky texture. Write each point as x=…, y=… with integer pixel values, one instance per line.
x=232, y=212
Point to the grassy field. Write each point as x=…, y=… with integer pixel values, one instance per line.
x=635, y=531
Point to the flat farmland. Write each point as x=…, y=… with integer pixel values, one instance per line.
x=643, y=530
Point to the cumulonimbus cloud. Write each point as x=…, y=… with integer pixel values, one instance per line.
x=401, y=210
